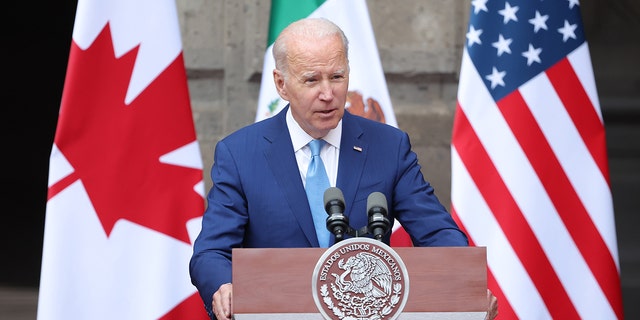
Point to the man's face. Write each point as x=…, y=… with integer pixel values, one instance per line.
x=317, y=83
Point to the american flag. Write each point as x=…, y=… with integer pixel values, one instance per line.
x=530, y=178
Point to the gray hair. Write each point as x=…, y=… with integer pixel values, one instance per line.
x=308, y=27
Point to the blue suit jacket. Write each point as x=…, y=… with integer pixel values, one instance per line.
x=258, y=198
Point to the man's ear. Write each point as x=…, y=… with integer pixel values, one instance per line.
x=278, y=79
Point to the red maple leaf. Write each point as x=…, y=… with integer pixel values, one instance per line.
x=115, y=149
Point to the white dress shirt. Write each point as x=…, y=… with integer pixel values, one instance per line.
x=330, y=151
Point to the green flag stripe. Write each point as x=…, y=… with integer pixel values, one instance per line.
x=283, y=12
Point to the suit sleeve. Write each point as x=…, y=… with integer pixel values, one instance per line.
x=223, y=225
x=417, y=207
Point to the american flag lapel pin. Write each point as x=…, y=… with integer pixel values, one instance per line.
x=356, y=148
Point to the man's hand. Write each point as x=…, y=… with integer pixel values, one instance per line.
x=222, y=302
x=492, y=310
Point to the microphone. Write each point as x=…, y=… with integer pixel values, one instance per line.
x=377, y=211
x=337, y=222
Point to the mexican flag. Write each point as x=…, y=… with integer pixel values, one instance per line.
x=368, y=93
x=125, y=192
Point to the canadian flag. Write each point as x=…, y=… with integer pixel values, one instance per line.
x=125, y=194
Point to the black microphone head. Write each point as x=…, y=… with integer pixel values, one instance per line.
x=333, y=193
x=377, y=200
x=337, y=222
x=378, y=224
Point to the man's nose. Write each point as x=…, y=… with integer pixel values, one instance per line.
x=326, y=91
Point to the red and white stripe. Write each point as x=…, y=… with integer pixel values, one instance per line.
x=530, y=182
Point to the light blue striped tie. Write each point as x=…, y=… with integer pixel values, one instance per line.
x=316, y=184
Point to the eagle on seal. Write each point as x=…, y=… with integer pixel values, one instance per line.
x=365, y=274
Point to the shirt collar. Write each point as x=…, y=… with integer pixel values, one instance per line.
x=299, y=138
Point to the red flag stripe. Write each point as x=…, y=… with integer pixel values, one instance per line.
x=471, y=206
x=563, y=195
x=510, y=219
x=505, y=309
x=563, y=135
x=579, y=106
x=599, y=255
x=482, y=228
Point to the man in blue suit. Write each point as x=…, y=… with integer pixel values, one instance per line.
x=258, y=197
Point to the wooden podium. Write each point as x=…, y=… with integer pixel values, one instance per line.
x=445, y=283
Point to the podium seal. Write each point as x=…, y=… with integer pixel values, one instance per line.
x=360, y=279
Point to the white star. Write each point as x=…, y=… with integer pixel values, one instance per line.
x=502, y=45
x=479, y=5
x=473, y=36
x=532, y=55
x=568, y=31
x=573, y=3
x=539, y=22
x=509, y=13
x=496, y=77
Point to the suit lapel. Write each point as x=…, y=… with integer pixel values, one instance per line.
x=353, y=153
x=281, y=161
